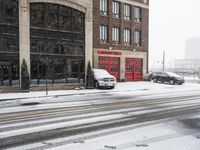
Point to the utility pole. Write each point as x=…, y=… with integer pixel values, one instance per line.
x=163, y=62
x=199, y=72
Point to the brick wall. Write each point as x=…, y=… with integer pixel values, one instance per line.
x=121, y=23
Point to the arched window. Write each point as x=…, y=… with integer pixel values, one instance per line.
x=57, y=43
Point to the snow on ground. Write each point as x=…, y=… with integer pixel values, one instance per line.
x=161, y=136
x=5, y=134
x=155, y=135
x=120, y=87
x=105, y=117
x=12, y=102
x=191, y=78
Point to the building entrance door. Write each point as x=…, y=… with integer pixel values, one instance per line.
x=111, y=64
x=133, y=69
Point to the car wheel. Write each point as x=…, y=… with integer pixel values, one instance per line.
x=96, y=84
x=155, y=79
x=171, y=82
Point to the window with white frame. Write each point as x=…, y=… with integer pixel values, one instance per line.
x=103, y=34
x=127, y=12
x=115, y=35
x=137, y=38
x=104, y=7
x=115, y=9
x=137, y=14
x=127, y=37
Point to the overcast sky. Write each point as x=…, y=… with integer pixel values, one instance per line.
x=172, y=22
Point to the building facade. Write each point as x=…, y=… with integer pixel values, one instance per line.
x=191, y=63
x=120, y=33
x=57, y=39
x=50, y=35
x=192, y=48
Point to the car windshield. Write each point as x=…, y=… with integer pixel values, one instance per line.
x=100, y=72
x=173, y=74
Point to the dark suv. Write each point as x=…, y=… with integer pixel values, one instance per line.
x=170, y=77
x=150, y=75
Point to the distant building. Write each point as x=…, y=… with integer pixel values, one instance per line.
x=187, y=64
x=191, y=63
x=192, y=48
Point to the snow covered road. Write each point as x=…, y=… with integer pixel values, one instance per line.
x=138, y=118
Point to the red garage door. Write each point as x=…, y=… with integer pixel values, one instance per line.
x=111, y=64
x=133, y=69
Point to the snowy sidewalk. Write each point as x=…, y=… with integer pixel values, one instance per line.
x=136, y=87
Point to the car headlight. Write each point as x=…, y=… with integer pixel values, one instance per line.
x=100, y=79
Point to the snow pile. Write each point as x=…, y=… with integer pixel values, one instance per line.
x=120, y=87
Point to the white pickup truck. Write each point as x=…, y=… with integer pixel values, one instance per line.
x=103, y=79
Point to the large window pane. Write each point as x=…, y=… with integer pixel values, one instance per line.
x=78, y=21
x=127, y=12
x=56, y=17
x=68, y=47
x=137, y=38
x=52, y=16
x=57, y=49
x=37, y=15
x=34, y=70
x=137, y=14
x=78, y=50
x=103, y=7
x=103, y=34
x=115, y=35
x=127, y=37
x=50, y=46
x=115, y=9
x=9, y=69
x=59, y=70
x=9, y=11
x=65, y=18
x=9, y=43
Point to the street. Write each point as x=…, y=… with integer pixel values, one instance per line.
x=137, y=118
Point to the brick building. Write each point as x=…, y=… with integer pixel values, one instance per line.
x=57, y=39
x=120, y=37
